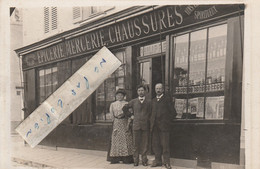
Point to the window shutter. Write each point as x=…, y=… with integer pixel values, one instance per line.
x=77, y=14
x=46, y=20
x=54, y=15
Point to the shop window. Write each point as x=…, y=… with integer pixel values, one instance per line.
x=105, y=94
x=47, y=83
x=199, y=73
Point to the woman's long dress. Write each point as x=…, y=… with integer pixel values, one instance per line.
x=121, y=141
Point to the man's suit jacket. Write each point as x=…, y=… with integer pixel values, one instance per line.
x=142, y=112
x=163, y=112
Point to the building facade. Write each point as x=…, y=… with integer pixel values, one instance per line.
x=16, y=88
x=195, y=50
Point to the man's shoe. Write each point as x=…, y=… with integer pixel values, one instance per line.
x=114, y=162
x=168, y=166
x=155, y=164
x=135, y=164
x=145, y=163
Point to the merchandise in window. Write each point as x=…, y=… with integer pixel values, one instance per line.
x=105, y=94
x=199, y=73
x=47, y=83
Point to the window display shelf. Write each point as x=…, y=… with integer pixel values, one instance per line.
x=200, y=88
x=201, y=94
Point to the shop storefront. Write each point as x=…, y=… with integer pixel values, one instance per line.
x=195, y=50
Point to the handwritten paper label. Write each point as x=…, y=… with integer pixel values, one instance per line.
x=68, y=97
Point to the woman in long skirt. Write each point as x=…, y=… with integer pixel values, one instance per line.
x=121, y=140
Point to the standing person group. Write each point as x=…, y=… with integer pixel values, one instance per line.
x=149, y=117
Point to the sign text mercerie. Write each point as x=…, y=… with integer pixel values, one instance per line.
x=160, y=20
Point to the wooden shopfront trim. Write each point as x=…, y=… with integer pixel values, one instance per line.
x=103, y=40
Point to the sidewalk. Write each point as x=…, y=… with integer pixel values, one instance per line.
x=65, y=158
x=24, y=157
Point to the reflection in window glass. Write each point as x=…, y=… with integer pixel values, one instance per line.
x=204, y=73
x=197, y=60
x=216, y=71
x=47, y=83
x=181, y=46
x=215, y=107
x=42, y=88
x=100, y=102
x=145, y=73
x=54, y=78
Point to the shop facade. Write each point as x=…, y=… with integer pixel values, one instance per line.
x=195, y=50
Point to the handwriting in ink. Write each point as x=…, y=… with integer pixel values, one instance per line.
x=36, y=125
x=60, y=103
x=52, y=110
x=48, y=118
x=87, y=83
x=73, y=92
x=103, y=61
x=30, y=131
x=78, y=85
x=96, y=69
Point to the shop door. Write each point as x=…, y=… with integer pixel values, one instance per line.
x=158, y=73
x=151, y=73
x=145, y=75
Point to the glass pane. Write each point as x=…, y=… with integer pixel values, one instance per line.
x=120, y=71
x=197, y=61
x=41, y=95
x=110, y=89
x=145, y=73
x=48, y=90
x=195, y=108
x=120, y=82
x=54, y=79
x=180, y=106
x=216, y=71
x=41, y=78
x=214, y=107
x=120, y=56
x=216, y=58
x=110, y=94
x=181, y=44
x=100, y=102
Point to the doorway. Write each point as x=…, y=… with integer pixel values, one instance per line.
x=151, y=72
x=158, y=72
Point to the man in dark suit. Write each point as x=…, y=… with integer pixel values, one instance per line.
x=141, y=107
x=163, y=112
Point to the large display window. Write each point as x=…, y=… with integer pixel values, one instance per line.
x=105, y=94
x=199, y=59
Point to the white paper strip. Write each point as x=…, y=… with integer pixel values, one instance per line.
x=68, y=97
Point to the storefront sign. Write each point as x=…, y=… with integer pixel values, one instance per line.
x=68, y=97
x=158, y=21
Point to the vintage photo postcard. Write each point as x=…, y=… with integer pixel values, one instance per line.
x=129, y=85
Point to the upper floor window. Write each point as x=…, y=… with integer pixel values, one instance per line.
x=50, y=19
x=81, y=14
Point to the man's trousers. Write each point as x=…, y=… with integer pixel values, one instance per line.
x=161, y=145
x=141, y=138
